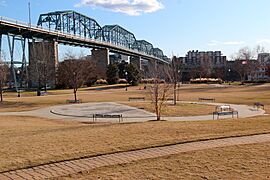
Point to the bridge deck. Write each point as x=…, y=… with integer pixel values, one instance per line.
x=8, y=26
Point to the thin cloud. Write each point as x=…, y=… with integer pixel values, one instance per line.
x=130, y=7
x=263, y=41
x=234, y=43
x=227, y=43
x=3, y=3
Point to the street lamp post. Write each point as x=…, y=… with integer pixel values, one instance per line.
x=126, y=73
x=18, y=90
x=229, y=76
x=178, y=84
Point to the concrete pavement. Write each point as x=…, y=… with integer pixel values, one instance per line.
x=84, y=112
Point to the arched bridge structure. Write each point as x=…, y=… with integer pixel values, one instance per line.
x=71, y=28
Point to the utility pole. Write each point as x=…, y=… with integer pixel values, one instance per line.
x=29, y=12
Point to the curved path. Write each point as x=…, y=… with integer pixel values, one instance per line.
x=66, y=168
x=84, y=112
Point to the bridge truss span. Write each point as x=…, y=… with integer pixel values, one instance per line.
x=71, y=22
x=117, y=35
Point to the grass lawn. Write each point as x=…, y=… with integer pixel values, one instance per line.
x=27, y=141
x=181, y=109
x=229, y=94
x=236, y=162
x=34, y=102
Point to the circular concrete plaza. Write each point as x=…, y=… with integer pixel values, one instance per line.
x=87, y=110
x=84, y=112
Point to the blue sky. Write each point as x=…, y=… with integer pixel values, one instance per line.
x=175, y=26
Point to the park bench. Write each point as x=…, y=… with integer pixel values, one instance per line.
x=207, y=99
x=116, y=116
x=136, y=98
x=258, y=105
x=224, y=113
x=73, y=101
x=223, y=108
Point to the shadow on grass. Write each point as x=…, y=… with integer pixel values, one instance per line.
x=7, y=106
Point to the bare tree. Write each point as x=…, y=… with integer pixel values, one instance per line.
x=243, y=64
x=3, y=77
x=70, y=75
x=160, y=89
x=219, y=72
x=176, y=71
x=259, y=49
x=74, y=73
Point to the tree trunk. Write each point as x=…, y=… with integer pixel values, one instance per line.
x=1, y=94
x=178, y=99
x=156, y=109
x=75, y=95
x=174, y=93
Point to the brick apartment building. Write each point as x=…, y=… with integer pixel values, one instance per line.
x=202, y=63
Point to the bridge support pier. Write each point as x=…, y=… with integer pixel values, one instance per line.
x=102, y=60
x=136, y=60
x=43, y=61
x=11, y=46
x=0, y=47
x=150, y=69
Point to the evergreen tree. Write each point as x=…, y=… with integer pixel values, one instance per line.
x=134, y=74
x=122, y=69
x=112, y=74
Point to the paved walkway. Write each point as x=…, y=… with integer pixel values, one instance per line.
x=66, y=168
x=84, y=112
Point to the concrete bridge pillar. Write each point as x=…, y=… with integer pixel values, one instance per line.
x=102, y=60
x=136, y=60
x=43, y=62
x=0, y=47
x=152, y=64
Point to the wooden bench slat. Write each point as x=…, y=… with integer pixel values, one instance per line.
x=207, y=99
x=73, y=101
x=119, y=116
x=136, y=98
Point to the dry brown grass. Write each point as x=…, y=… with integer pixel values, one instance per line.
x=235, y=162
x=232, y=94
x=34, y=102
x=180, y=109
x=27, y=141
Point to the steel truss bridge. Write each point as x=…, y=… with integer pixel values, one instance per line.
x=73, y=23
x=72, y=28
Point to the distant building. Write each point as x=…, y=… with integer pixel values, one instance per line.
x=197, y=58
x=262, y=71
x=203, y=63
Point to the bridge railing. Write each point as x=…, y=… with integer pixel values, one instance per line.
x=70, y=35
